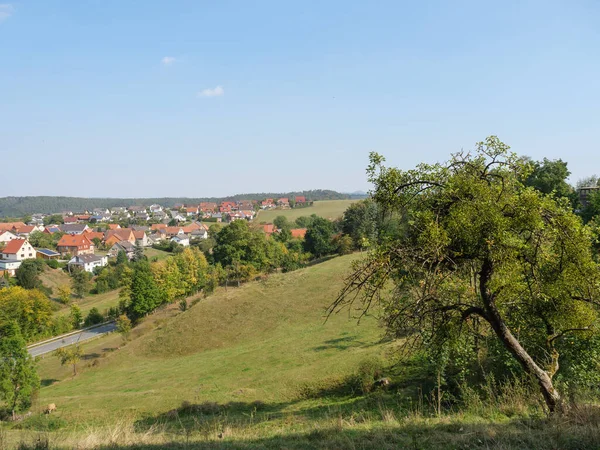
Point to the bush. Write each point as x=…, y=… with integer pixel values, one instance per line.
x=369, y=370
x=52, y=263
x=94, y=317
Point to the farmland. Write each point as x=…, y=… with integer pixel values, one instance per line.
x=329, y=209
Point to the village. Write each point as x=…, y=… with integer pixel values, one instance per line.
x=89, y=239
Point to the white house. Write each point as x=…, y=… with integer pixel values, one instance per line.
x=155, y=209
x=18, y=250
x=181, y=239
x=88, y=262
x=200, y=233
x=177, y=216
x=6, y=236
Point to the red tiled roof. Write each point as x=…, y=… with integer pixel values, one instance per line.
x=8, y=226
x=70, y=219
x=139, y=234
x=14, y=246
x=113, y=226
x=269, y=228
x=94, y=234
x=283, y=200
x=298, y=233
x=300, y=199
x=158, y=226
x=25, y=229
x=74, y=240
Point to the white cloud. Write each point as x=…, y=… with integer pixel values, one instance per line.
x=6, y=10
x=168, y=60
x=216, y=92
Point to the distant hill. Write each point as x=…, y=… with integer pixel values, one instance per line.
x=20, y=206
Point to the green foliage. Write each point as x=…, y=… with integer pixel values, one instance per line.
x=64, y=294
x=94, y=317
x=19, y=380
x=282, y=223
x=480, y=253
x=124, y=326
x=122, y=258
x=69, y=355
x=138, y=254
x=41, y=240
x=361, y=223
x=81, y=282
x=144, y=294
x=55, y=219
x=75, y=316
x=318, y=239
x=28, y=273
x=304, y=221
x=30, y=309
x=550, y=177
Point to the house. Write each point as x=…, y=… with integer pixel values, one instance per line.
x=269, y=228
x=158, y=226
x=176, y=216
x=100, y=211
x=160, y=215
x=113, y=226
x=191, y=210
x=100, y=218
x=46, y=253
x=83, y=217
x=91, y=235
x=118, y=210
x=298, y=233
x=124, y=246
x=18, y=250
x=88, y=262
x=26, y=231
x=300, y=200
x=181, y=239
x=69, y=220
x=248, y=214
x=74, y=228
x=156, y=237
x=11, y=226
x=267, y=204
x=6, y=236
x=142, y=216
x=155, y=209
x=51, y=229
x=208, y=207
x=174, y=231
x=75, y=244
x=218, y=216
x=283, y=202
x=199, y=233
x=122, y=234
x=141, y=238
x=585, y=192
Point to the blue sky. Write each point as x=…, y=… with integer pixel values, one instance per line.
x=199, y=98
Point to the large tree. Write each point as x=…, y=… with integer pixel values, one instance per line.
x=18, y=377
x=481, y=252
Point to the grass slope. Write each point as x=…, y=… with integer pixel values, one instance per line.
x=330, y=209
x=256, y=342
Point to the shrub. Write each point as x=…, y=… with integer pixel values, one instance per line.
x=369, y=370
x=94, y=317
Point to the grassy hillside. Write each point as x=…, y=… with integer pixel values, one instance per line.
x=257, y=367
x=257, y=342
x=330, y=209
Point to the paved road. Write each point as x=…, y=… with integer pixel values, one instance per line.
x=73, y=339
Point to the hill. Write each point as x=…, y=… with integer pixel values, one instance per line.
x=329, y=209
x=20, y=206
x=256, y=367
x=256, y=342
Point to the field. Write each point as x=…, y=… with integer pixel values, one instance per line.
x=330, y=209
x=152, y=253
x=259, y=367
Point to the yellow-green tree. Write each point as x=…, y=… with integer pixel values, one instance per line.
x=29, y=308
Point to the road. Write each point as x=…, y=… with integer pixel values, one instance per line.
x=72, y=339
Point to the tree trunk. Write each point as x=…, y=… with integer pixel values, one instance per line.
x=551, y=395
